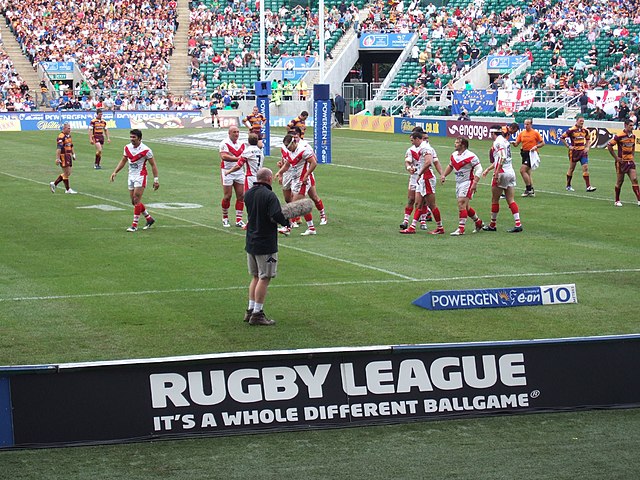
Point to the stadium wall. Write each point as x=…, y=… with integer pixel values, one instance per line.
x=551, y=130
x=79, y=120
x=232, y=393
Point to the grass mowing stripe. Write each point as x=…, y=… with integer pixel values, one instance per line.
x=323, y=284
x=232, y=232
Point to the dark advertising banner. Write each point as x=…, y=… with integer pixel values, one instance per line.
x=320, y=388
x=474, y=101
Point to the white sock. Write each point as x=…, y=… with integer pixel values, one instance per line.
x=251, y=304
x=257, y=307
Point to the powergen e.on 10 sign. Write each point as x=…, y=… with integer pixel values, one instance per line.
x=498, y=297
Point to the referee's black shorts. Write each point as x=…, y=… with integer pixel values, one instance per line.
x=526, y=158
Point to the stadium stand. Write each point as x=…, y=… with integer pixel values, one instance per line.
x=119, y=45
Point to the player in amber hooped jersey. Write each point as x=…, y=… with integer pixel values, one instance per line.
x=300, y=122
x=298, y=157
x=230, y=153
x=136, y=155
x=252, y=159
x=467, y=166
x=254, y=122
x=65, y=155
x=577, y=140
x=625, y=160
x=98, y=132
x=504, y=179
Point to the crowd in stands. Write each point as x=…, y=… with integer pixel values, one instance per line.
x=287, y=32
x=122, y=45
x=14, y=92
x=565, y=21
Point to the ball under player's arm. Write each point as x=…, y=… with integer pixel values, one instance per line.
x=154, y=169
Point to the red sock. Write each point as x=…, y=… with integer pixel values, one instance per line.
x=66, y=183
x=463, y=220
x=319, y=205
x=138, y=209
x=495, y=208
x=436, y=214
x=636, y=190
x=586, y=180
x=471, y=211
x=408, y=210
x=516, y=213
x=225, y=208
x=239, y=205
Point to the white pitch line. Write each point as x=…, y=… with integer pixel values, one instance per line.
x=322, y=284
x=232, y=232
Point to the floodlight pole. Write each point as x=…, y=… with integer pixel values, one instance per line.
x=321, y=36
x=262, y=42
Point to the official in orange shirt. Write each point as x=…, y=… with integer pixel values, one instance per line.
x=531, y=141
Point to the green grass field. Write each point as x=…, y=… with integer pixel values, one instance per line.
x=74, y=286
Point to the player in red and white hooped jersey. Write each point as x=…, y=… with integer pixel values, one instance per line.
x=300, y=159
x=421, y=161
x=230, y=152
x=467, y=166
x=313, y=191
x=436, y=165
x=252, y=159
x=412, y=159
x=137, y=154
x=504, y=179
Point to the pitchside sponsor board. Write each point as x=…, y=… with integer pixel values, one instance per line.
x=271, y=391
x=498, y=297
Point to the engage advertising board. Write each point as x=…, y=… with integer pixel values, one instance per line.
x=275, y=391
